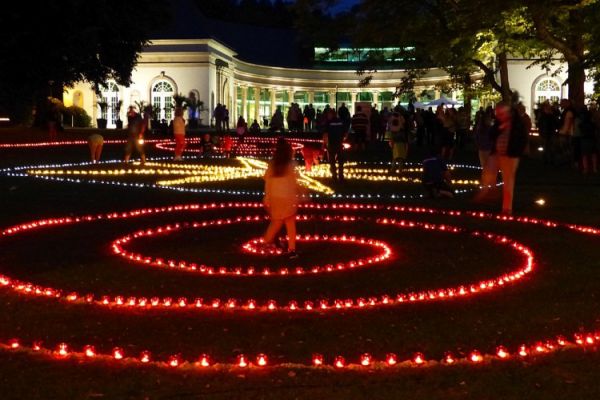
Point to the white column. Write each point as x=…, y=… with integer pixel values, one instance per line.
x=244, y=101
x=353, y=96
x=311, y=97
x=291, y=95
x=273, y=100
x=233, y=110
x=332, y=98
x=376, y=99
x=454, y=95
x=438, y=94
x=232, y=101
x=257, y=103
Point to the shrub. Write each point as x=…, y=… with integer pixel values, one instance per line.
x=79, y=116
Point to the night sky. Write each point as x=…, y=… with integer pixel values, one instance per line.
x=345, y=5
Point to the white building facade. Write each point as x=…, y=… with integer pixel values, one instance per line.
x=213, y=73
x=536, y=85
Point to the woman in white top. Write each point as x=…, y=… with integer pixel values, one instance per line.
x=281, y=196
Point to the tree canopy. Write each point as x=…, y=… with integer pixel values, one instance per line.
x=467, y=36
x=65, y=41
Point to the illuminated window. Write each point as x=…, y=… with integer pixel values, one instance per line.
x=162, y=99
x=547, y=90
x=110, y=95
x=356, y=55
x=364, y=96
x=321, y=100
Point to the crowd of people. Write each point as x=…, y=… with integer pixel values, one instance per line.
x=570, y=136
x=500, y=134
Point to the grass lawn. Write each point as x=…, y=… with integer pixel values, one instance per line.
x=559, y=297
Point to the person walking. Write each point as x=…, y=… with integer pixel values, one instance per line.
x=547, y=126
x=136, y=128
x=281, y=199
x=360, y=126
x=336, y=133
x=179, y=133
x=95, y=142
x=509, y=138
x=398, y=140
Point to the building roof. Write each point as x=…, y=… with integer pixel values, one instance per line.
x=254, y=44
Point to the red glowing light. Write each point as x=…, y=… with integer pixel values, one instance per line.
x=475, y=356
x=174, y=361
x=204, y=360
x=501, y=352
x=242, y=361
x=419, y=358
x=145, y=356
x=62, y=350
x=589, y=339
x=561, y=340
x=449, y=358
x=523, y=352
x=14, y=343
x=89, y=351
x=317, y=360
x=391, y=359
x=339, y=362
x=118, y=353
x=366, y=359
x=261, y=360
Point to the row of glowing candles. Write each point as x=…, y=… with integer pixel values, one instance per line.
x=41, y=172
x=63, y=351
x=255, y=247
x=319, y=304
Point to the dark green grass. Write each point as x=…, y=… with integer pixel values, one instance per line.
x=559, y=298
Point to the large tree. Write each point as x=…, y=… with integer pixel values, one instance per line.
x=49, y=46
x=464, y=36
x=459, y=36
x=570, y=29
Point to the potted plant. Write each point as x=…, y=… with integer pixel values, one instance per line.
x=141, y=105
x=119, y=122
x=180, y=101
x=102, y=122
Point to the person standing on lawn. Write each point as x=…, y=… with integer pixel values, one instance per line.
x=281, y=199
x=179, y=133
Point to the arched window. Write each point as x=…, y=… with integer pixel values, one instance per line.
x=162, y=99
x=78, y=99
x=547, y=89
x=110, y=95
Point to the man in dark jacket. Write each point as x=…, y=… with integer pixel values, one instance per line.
x=336, y=134
x=360, y=126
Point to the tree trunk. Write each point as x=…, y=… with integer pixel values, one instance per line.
x=576, y=81
x=576, y=73
x=504, y=82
